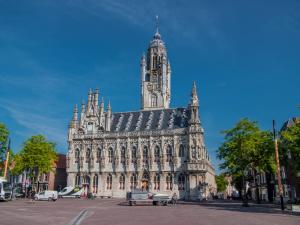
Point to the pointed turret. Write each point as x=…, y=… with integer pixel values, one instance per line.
x=89, y=98
x=108, y=117
x=82, y=112
x=194, y=96
x=194, y=106
x=75, y=114
x=101, y=108
x=96, y=97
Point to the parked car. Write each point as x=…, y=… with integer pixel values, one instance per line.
x=46, y=195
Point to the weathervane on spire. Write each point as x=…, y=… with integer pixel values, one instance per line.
x=157, y=23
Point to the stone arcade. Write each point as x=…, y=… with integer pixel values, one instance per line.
x=158, y=148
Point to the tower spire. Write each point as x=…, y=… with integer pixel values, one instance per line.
x=194, y=96
x=157, y=24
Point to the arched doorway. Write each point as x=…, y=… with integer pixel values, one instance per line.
x=145, y=181
x=86, y=185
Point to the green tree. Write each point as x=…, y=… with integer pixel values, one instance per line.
x=37, y=156
x=290, y=143
x=221, y=182
x=3, y=145
x=246, y=148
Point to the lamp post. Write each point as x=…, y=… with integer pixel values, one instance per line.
x=278, y=167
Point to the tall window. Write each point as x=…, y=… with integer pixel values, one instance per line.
x=194, y=152
x=153, y=100
x=77, y=180
x=133, y=154
x=110, y=155
x=181, y=181
x=90, y=127
x=98, y=154
x=147, y=77
x=133, y=181
x=181, y=151
x=169, y=153
x=145, y=154
x=123, y=155
x=156, y=182
x=156, y=154
x=88, y=154
x=95, y=184
x=77, y=154
x=122, y=182
x=169, y=182
x=109, y=182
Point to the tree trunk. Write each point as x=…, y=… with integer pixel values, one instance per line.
x=245, y=197
x=256, y=188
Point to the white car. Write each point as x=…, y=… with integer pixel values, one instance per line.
x=46, y=195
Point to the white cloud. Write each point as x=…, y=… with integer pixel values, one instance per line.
x=29, y=117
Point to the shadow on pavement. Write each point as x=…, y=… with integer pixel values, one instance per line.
x=237, y=206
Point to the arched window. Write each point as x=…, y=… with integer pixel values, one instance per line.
x=77, y=180
x=169, y=153
x=133, y=182
x=156, y=154
x=181, y=151
x=88, y=154
x=194, y=152
x=156, y=182
x=95, y=184
x=154, y=61
x=109, y=182
x=145, y=154
x=77, y=155
x=122, y=182
x=99, y=153
x=181, y=182
x=153, y=100
x=90, y=128
x=110, y=155
x=133, y=154
x=123, y=155
x=147, y=77
x=169, y=182
x=86, y=180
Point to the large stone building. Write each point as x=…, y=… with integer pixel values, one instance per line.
x=158, y=148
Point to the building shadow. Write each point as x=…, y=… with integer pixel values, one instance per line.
x=236, y=206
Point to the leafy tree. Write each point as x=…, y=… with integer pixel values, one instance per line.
x=37, y=156
x=290, y=143
x=246, y=148
x=3, y=145
x=221, y=182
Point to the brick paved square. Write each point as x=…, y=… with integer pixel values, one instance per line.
x=117, y=211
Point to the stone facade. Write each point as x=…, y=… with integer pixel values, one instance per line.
x=158, y=148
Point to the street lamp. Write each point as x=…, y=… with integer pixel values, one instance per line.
x=278, y=168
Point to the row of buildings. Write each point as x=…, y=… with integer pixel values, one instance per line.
x=56, y=179
x=267, y=183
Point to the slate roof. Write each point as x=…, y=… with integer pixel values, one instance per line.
x=159, y=119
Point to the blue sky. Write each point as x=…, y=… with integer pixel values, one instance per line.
x=244, y=56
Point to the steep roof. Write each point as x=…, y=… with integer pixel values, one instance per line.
x=159, y=119
x=291, y=122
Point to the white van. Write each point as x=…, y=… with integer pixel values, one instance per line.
x=46, y=195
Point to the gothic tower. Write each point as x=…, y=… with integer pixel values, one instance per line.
x=155, y=76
